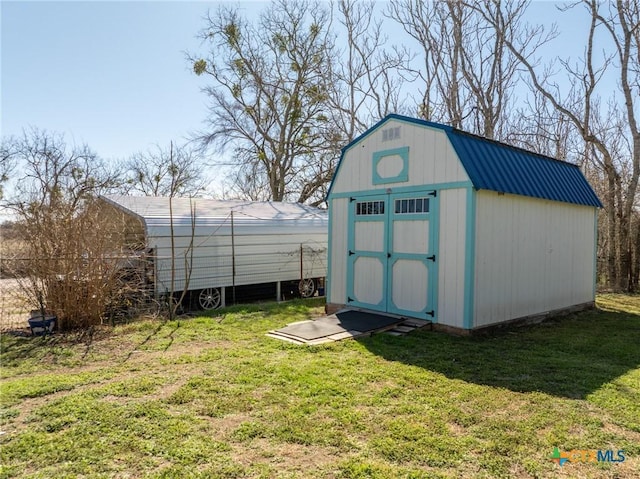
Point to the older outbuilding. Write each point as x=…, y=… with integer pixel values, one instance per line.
x=429, y=222
x=207, y=248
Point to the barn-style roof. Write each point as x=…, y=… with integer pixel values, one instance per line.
x=496, y=166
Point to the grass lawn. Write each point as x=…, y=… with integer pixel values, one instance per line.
x=214, y=397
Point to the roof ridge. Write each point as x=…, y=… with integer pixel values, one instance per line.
x=453, y=129
x=514, y=147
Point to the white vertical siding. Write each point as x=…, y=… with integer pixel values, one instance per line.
x=431, y=159
x=271, y=241
x=262, y=255
x=337, y=282
x=451, y=258
x=531, y=256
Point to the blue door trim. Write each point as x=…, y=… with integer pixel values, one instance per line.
x=470, y=259
x=432, y=266
x=387, y=257
x=454, y=185
x=351, y=258
x=595, y=252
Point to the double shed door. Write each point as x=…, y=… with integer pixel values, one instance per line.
x=392, y=253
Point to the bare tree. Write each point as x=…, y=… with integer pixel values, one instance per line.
x=55, y=173
x=173, y=171
x=247, y=181
x=7, y=165
x=174, y=299
x=468, y=71
x=268, y=96
x=69, y=267
x=610, y=131
x=538, y=126
x=367, y=83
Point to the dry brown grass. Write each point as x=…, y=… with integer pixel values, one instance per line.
x=14, y=306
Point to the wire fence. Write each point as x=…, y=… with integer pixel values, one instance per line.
x=124, y=286
x=14, y=304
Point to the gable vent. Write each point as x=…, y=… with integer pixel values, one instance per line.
x=391, y=133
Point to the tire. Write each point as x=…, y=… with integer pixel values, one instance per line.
x=307, y=287
x=209, y=299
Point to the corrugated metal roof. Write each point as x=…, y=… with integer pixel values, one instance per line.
x=209, y=211
x=499, y=167
x=496, y=166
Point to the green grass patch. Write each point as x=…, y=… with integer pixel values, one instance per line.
x=15, y=389
x=212, y=396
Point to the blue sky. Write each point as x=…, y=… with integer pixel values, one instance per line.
x=111, y=74
x=114, y=74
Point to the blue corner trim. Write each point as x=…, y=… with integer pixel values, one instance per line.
x=402, y=176
x=435, y=268
x=327, y=281
x=470, y=260
x=595, y=253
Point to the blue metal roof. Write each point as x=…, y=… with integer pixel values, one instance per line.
x=506, y=169
x=499, y=167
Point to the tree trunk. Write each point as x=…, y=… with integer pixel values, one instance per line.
x=624, y=240
x=635, y=257
x=612, y=232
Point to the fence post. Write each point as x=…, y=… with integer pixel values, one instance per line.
x=233, y=260
x=301, y=264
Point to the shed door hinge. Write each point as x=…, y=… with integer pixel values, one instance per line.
x=430, y=313
x=351, y=199
x=351, y=253
x=349, y=300
x=433, y=193
x=432, y=258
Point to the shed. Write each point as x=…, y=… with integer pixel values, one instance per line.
x=209, y=247
x=430, y=222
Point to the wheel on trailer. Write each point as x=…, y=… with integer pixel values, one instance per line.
x=209, y=299
x=307, y=287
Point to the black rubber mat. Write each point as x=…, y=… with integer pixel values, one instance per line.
x=363, y=321
x=340, y=322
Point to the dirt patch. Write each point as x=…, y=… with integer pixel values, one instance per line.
x=292, y=457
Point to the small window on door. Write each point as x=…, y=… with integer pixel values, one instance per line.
x=369, y=208
x=412, y=206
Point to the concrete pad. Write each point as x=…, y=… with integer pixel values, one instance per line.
x=344, y=324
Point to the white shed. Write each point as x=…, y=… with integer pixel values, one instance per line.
x=209, y=247
x=429, y=222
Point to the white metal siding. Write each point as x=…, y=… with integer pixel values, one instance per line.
x=431, y=159
x=451, y=260
x=337, y=283
x=267, y=240
x=532, y=256
x=258, y=259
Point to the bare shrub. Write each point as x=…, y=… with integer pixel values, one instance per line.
x=78, y=269
x=73, y=261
